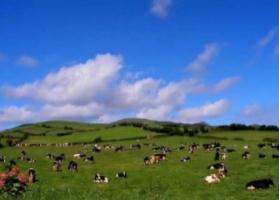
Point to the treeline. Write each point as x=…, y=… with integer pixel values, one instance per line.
x=194, y=129
x=170, y=128
x=243, y=127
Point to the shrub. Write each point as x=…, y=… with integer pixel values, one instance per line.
x=13, y=183
x=268, y=139
x=97, y=140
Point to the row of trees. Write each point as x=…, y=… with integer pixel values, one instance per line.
x=240, y=127
x=169, y=128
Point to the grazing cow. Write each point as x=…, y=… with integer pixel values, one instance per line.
x=100, y=179
x=217, y=155
x=107, y=146
x=32, y=177
x=181, y=147
x=59, y=158
x=119, y=149
x=79, y=155
x=2, y=159
x=275, y=156
x=49, y=156
x=30, y=160
x=261, y=145
x=56, y=166
x=23, y=153
x=261, y=155
x=216, y=166
x=260, y=184
x=214, y=178
x=12, y=163
x=223, y=156
x=90, y=159
x=162, y=148
x=185, y=159
x=121, y=175
x=246, y=155
x=135, y=146
x=96, y=148
x=72, y=166
x=156, y=158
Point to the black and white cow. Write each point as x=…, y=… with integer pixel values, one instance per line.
x=72, y=166
x=56, y=166
x=246, y=155
x=32, y=177
x=261, y=145
x=181, y=147
x=260, y=184
x=121, y=175
x=12, y=163
x=135, y=146
x=217, y=155
x=119, y=149
x=185, y=159
x=100, y=179
x=216, y=166
x=2, y=159
x=89, y=159
x=261, y=155
x=275, y=156
x=79, y=155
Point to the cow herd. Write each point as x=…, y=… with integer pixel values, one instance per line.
x=218, y=168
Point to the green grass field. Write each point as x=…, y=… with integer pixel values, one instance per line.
x=170, y=179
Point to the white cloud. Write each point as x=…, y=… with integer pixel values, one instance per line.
x=259, y=114
x=27, y=61
x=160, y=8
x=203, y=59
x=209, y=110
x=268, y=37
x=15, y=114
x=226, y=83
x=155, y=113
x=77, y=84
x=108, y=118
x=94, y=90
x=69, y=111
x=251, y=110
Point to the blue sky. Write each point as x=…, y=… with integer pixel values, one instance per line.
x=180, y=60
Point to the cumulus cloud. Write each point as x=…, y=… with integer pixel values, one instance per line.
x=70, y=111
x=203, y=59
x=155, y=113
x=226, y=83
x=209, y=110
x=264, y=41
x=77, y=84
x=15, y=114
x=27, y=61
x=160, y=8
x=251, y=110
x=95, y=91
x=220, y=86
x=259, y=114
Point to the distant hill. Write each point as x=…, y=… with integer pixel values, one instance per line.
x=163, y=127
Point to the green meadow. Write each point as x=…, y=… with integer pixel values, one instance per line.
x=170, y=179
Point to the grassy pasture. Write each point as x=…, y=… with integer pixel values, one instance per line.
x=170, y=179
